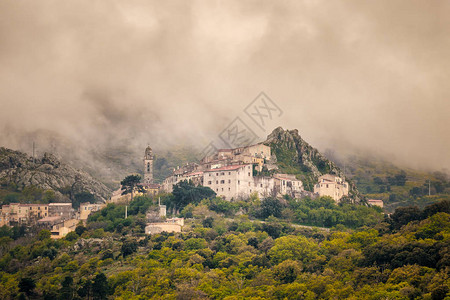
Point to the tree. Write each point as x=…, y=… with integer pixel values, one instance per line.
x=71, y=236
x=404, y=215
x=400, y=179
x=271, y=207
x=128, y=247
x=100, y=287
x=287, y=271
x=130, y=183
x=44, y=234
x=294, y=248
x=66, y=290
x=26, y=286
x=82, y=198
x=85, y=288
x=80, y=229
x=186, y=192
x=378, y=180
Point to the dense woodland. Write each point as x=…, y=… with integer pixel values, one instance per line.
x=256, y=249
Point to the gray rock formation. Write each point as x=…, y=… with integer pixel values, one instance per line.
x=47, y=173
x=296, y=156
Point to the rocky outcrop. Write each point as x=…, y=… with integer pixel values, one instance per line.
x=47, y=173
x=294, y=155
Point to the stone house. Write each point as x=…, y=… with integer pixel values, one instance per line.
x=331, y=185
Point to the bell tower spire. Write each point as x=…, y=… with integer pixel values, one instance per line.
x=148, y=165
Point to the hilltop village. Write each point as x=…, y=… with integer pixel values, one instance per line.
x=233, y=174
x=237, y=173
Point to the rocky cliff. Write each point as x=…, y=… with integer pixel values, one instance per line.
x=296, y=156
x=47, y=173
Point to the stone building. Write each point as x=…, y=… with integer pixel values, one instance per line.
x=230, y=173
x=148, y=166
x=19, y=213
x=286, y=184
x=87, y=208
x=331, y=185
x=230, y=181
x=375, y=202
x=63, y=210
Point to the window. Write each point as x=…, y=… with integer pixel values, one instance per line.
x=223, y=173
x=248, y=173
x=209, y=182
x=229, y=173
x=217, y=181
x=217, y=190
x=327, y=185
x=261, y=184
x=229, y=181
x=222, y=189
x=217, y=174
x=239, y=182
x=222, y=181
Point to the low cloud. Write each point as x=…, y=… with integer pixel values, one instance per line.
x=349, y=75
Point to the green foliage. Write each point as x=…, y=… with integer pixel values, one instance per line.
x=128, y=247
x=268, y=259
x=270, y=207
x=100, y=287
x=139, y=205
x=82, y=198
x=27, y=286
x=71, y=236
x=323, y=212
x=293, y=248
x=44, y=234
x=130, y=183
x=222, y=206
x=186, y=192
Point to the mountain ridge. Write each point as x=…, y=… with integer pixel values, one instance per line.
x=48, y=173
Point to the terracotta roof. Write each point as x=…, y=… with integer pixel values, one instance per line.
x=227, y=168
x=194, y=173
x=50, y=219
x=59, y=204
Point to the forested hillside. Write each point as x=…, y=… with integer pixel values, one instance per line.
x=396, y=186
x=226, y=252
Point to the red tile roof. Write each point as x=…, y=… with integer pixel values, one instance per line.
x=228, y=168
x=194, y=173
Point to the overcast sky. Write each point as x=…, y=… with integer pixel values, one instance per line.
x=367, y=75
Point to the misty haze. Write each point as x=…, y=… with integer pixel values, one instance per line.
x=349, y=76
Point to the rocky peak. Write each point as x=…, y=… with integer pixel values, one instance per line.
x=296, y=156
x=50, y=159
x=47, y=173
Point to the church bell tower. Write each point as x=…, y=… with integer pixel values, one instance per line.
x=148, y=165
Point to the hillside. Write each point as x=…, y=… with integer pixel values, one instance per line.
x=295, y=156
x=19, y=172
x=225, y=256
x=396, y=186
